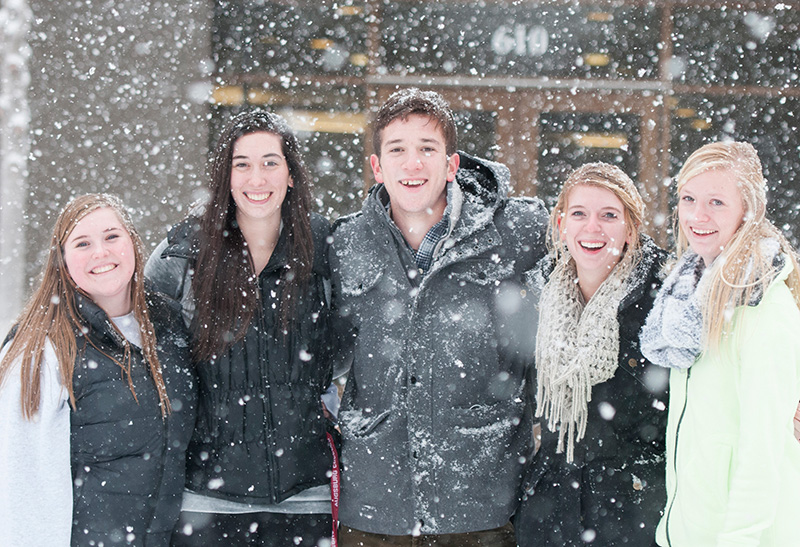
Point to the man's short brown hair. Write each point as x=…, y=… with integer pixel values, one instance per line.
x=406, y=102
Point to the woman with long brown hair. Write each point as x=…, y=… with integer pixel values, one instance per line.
x=96, y=400
x=250, y=272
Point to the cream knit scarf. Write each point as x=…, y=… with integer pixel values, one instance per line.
x=577, y=347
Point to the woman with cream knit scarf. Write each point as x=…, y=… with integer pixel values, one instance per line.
x=599, y=474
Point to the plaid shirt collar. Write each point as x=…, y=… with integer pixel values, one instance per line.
x=424, y=255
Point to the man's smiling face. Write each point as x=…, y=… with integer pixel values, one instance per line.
x=414, y=166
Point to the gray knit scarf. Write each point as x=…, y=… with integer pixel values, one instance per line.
x=577, y=347
x=672, y=334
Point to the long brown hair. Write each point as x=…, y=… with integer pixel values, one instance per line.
x=225, y=283
x=52, y=313
x=742, y=267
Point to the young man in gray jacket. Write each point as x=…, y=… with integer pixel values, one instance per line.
x=439, y=330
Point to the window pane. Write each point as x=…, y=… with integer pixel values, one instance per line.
x=569, y=140
x=476, y=132
x=278, y=39
x=736, y=46
x=521, y=39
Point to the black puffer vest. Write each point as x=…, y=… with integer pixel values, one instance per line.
x=261, y=434
x=127, y=462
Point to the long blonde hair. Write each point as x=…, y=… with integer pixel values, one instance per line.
x=616, y=181
x=742, y=267
x=51, y=313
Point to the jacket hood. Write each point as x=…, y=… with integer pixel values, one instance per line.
x=486, y=179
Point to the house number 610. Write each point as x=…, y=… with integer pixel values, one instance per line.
x=520, y=40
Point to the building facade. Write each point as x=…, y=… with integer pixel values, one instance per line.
x=126, y=96
x=542, y=86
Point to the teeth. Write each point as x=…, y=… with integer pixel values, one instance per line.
x=592, y=245
x=416, y=182
x=703, y=232
x=259, y=197
x=104, y=269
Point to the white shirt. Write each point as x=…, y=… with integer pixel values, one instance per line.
x=35, y=475
x=35, y=467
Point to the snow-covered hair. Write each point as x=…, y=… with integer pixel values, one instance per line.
x=407, y=102
x=616, y=181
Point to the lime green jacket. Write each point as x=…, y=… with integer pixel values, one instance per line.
x=733, y=464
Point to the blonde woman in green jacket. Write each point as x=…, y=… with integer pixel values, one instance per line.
x=726, y=322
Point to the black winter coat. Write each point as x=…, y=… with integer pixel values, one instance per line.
x=614, y=491
x=261, y=433
x=127, y=461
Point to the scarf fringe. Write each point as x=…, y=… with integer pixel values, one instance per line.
x=577, y=347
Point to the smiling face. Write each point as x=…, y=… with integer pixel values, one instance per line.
x=259, y=177
x=710, y=211
x=100, y=259
x=414, y=167
x=595, y=231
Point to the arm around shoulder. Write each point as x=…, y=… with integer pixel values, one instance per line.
x=523, y=223
x=166, y=273
x=340, y=260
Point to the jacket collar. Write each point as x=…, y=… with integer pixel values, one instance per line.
x=477, y=192
x=183, y=241
x=96, y=320
x=652, y=258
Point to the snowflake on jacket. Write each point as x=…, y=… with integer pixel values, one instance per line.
x=261, y=434
x=435, y=406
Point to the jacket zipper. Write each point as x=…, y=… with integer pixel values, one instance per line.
x=675, y=454
x=164, y=449
x=264, y=373
x=163, y=467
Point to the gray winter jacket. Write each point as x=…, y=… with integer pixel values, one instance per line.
x=436, y=428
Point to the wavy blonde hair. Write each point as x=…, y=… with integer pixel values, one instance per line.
x=742, y=267
x=613, y=179
x=52, y=313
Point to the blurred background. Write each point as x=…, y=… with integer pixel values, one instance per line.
x=127, y=96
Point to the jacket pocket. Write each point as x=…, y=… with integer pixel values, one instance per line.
x=491, y=416
x=722, y=470
x=482, y=271
x=356, y=424
x=703, y=487
x=359, y=278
